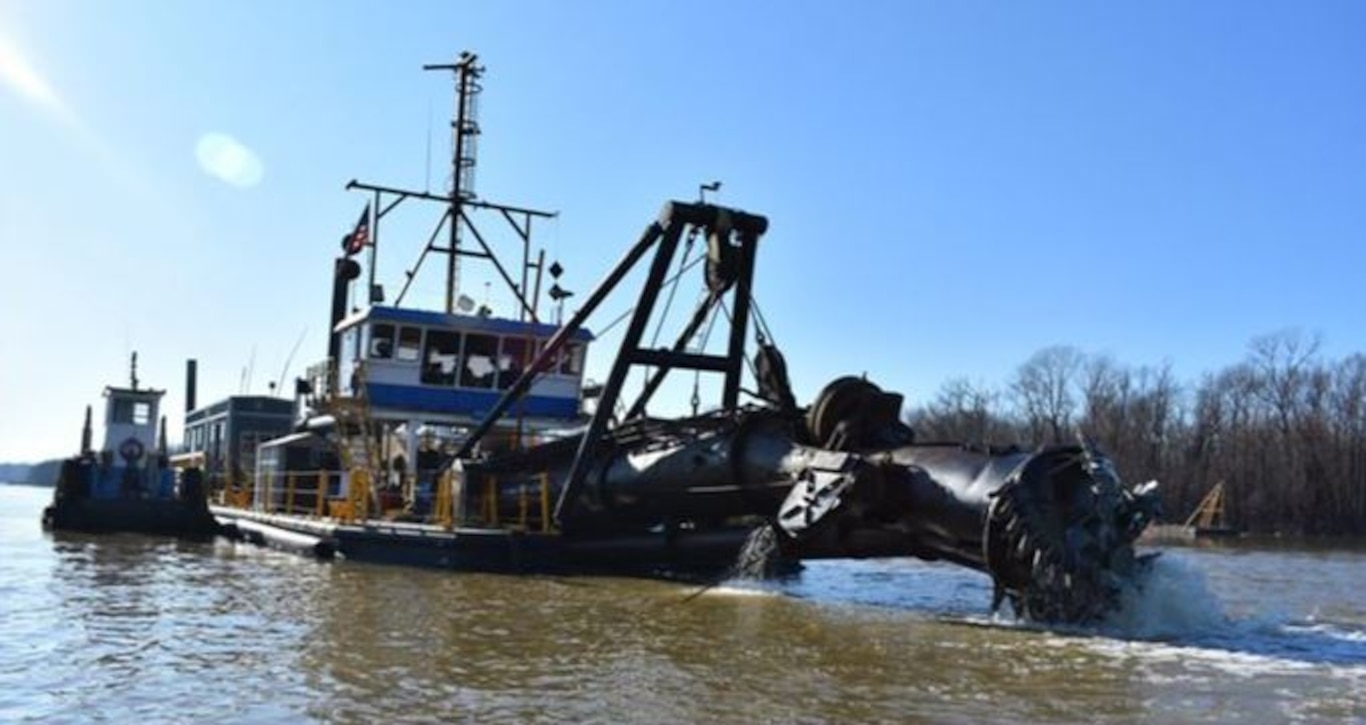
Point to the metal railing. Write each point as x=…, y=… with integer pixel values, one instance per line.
x=350, y=497
x=537, y=485
x=443, y=503
x=309, y=493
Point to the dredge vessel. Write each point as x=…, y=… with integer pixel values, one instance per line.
x=464, y=440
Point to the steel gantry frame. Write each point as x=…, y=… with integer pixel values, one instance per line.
x=732, y=240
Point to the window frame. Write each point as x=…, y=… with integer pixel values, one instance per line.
x=375, y=338
x=456, y=352
x=492, y=357
x=571, y=360
x=399, y=345
x=519, y=363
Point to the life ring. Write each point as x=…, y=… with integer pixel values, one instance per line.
x=131, y=449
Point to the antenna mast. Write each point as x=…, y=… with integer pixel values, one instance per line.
x=459, y=202
x=464, y=134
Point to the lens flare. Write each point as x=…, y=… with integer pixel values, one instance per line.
x=227, y=159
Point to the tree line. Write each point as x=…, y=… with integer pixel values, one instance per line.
x=32, y=474
x=1283, y=428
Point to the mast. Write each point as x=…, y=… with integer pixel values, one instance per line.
x=464, y=129
x=460, y=202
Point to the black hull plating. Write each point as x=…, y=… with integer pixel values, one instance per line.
x=686, y=555
x=140, y=516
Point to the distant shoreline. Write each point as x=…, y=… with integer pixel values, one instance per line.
x=42, y=474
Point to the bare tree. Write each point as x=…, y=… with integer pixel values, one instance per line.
x=1282, y=360
x=1284, y=430
x=965, y=411
x=1044, y=391
x=1105, y=399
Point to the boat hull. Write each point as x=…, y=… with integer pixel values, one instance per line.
x=99, y=499
x=142, y=516
x=687, y=555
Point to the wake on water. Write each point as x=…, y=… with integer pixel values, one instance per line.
x=1174, y=604
x=1171, y=607
x=1174, y=613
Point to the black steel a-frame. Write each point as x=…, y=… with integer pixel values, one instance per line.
x=732, y=240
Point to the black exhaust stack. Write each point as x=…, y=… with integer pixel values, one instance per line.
x=86, y=434
x=191, y=383
x=344, y=271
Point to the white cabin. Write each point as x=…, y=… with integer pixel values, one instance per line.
x=451, y=369
x=130, y=422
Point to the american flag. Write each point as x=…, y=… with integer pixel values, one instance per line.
x=360, y=236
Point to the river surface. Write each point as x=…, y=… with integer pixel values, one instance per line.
x=136, y=629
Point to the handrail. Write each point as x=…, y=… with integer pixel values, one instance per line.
x=358, y=495
x=315, y=493
x=545, y=502
x=303, y=492
x=442, y=504
x=491, y=500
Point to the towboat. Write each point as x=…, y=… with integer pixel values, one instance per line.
x=127, y=485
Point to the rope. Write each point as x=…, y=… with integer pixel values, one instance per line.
x=603, y=332
x=673, y=285
x=615, y=322
x=760, y=324
x=701, y=348
x=748, y=362
x=669, y=301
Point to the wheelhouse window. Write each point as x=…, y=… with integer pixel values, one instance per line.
x=516, y=354
x=481, y=353
x=571, y=359
x=381, y=341
x=442, y=358
x=550, y=364
x=409, y=344
x=122, y=411
x=142, y=413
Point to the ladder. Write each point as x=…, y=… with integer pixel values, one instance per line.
x=356, y=446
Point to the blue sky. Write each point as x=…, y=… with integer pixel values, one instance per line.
x=951, y=185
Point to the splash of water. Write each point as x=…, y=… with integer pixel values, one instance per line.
x=1171, y=599
x=1173, y=610
x=759, y=558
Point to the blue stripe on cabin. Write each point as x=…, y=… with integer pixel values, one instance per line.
x=476, y=403
x=441, y=320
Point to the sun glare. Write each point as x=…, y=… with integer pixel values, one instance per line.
x=18, y=74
